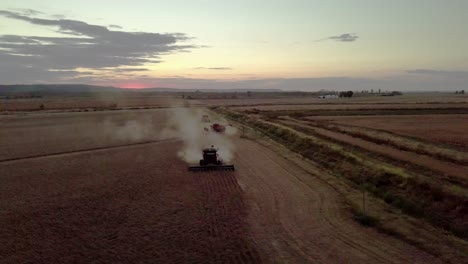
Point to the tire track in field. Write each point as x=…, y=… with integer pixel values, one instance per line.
x=298, y=218
x=81, y=151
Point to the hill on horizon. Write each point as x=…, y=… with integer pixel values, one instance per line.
x=48, y=89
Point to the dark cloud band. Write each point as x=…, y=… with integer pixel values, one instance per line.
x=87, y=46
x=348, y=37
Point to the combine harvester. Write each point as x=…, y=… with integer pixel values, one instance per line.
x=211, y=162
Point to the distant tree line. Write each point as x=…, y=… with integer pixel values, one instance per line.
x=346, y=94
x=460, y=92
x=371, y=91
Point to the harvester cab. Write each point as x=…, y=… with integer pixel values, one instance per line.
x=210, y=157
x=211, y=161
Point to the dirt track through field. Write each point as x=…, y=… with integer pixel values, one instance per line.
x=297, y=218
x=442, y=167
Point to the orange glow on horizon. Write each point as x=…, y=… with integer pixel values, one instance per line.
x=134, y=85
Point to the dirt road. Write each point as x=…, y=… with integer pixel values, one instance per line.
x=296, y=218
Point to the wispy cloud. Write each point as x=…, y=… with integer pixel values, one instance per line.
x=83, y=46
x=27, y=11
x=346, y=37
x=115, y=26
x=213, y=68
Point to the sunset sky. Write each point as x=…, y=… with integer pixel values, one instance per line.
x=291, y=45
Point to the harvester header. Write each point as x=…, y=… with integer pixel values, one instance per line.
x=211, y=161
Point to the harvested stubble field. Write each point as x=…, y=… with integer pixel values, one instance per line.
x=129, y=205
x=116, y=200
x=86, y=188
x=45, y=133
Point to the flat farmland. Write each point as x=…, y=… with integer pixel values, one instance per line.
x=344, y=105
x=445, y=129
x=87, y=102
x=98, y=199
x=263, y=100
x=45, y=133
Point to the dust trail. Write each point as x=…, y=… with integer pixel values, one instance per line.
x=140, y=124
x=186, y=123
x=129, y=130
